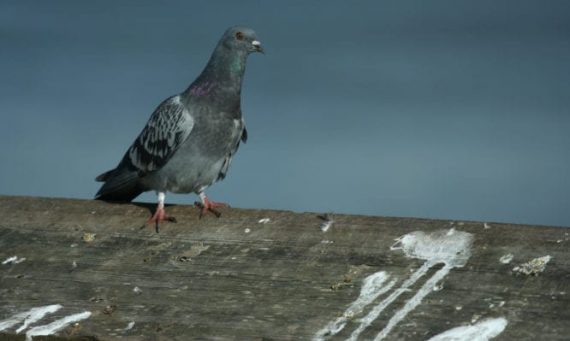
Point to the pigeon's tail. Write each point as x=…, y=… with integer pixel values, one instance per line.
x=120, y=185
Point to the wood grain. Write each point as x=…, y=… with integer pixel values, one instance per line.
x=233, y=278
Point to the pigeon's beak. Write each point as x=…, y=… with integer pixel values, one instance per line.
x=257, y=46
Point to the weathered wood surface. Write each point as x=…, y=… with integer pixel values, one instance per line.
x=236, y=278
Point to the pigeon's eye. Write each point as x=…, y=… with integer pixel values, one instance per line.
x=239, y=36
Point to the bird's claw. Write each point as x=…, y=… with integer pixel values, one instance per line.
x=160, y=215
x=210, y=207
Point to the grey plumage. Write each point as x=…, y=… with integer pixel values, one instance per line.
x=190, y=139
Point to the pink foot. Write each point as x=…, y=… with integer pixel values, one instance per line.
x=160, y=216
x=207, y=205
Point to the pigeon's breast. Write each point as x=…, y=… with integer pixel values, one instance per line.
x=201, y=158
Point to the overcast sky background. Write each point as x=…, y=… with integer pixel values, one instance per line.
x=440, y=109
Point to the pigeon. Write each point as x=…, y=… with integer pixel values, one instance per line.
x=190, y=138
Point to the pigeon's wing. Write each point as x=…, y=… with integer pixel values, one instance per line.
x=167, y=128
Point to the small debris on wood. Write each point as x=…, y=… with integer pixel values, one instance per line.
x=130, y=326
x=183, y=259
x=475, y=318
x=110, y=309
x=438, y=287
x=533, y=267
x=13, y=260
x=506, y=259
x=339, y=285
x=354, y=271
x=194, y=252
x=89, y=237
x=328, y=221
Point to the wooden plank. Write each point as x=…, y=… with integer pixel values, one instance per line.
x=235, y=278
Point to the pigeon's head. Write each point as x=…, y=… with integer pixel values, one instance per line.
x=243, y=39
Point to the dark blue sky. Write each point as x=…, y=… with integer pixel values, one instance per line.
x=440, y=109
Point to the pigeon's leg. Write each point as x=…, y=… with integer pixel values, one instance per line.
x=160, y=213
x=208, y=205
